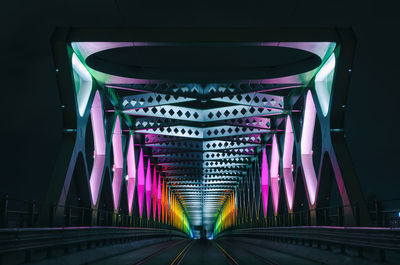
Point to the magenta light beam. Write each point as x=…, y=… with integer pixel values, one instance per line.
x=118, y=166
x=140, y=182
x=96, y=115
x=275, y=173
x=288, y=163
x=131, y=177
x=154, y=194
x=159, y=195
x=264, y=181
x=306, y=147
x=148, y=188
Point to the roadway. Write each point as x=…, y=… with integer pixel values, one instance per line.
x=192, y=252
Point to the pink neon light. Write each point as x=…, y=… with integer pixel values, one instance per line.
x=159, y=197
x=116, y=186
x=118, y=162
x=148, y=188
x=275, y=173
x=288, y=163
x=96, y=115
x=264, y=181
x=154, y=194
x=140, y=182
x=117, y=145
x=306, y=147
x=131, y=173
x=95, y=177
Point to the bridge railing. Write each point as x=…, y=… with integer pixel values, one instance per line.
x=15, y=213
x=379, y=244
x=381, y=213
x=71, y=228
x=30, y=242
x=21, y=213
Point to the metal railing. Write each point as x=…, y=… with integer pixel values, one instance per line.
x=16, y=213
x=21, y=213
x=28, y=227
x=346, y=239
x=28, y=241
x=327, y=216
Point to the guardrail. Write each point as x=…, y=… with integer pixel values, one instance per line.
x=27, y=240
x=381, y=213
x=23, y=214
x=361, y=239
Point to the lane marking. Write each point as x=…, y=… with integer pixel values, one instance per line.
x=177, y=261
x=226, y=254
x=147, y=258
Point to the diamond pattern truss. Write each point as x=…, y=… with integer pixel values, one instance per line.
x=203, y=152
x=205, y=140
x=209, y=115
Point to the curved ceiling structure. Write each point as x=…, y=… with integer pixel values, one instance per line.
x=199, y=63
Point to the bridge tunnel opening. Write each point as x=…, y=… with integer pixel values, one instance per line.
x=188, y=148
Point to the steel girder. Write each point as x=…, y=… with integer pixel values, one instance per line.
x=203, y=133
x=209, y=115
x=147, y=100
x=190, y=143
x=209, y=92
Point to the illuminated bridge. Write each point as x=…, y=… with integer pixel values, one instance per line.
x=221, y=146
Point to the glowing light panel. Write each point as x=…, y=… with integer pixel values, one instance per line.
x=264, y=181
x=288, y=163
x=323, y=83
x=83, y=83
x=226, y=217
x=275, y=173
x=154, y=194
x=306, y=147
x=118, y=162
x=159, y=197
x=148, y=189
x=96, y=115
x=131, y=173
x=140, y=182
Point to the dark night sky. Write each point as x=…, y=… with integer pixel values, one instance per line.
x=32, y=122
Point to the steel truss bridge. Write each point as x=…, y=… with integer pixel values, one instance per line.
x=204, y=153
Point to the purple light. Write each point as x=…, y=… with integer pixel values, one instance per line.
x=96, y=115
x=264, y=181
x=275, y=173
x=159, y=197
x=131, y=173
x=118, y=162
x=154, y=193
x=117, y=145
x=306, y=147
x=288, y=163
x=88, y=48
x=140, y=182
x=116, y=186
x=148, y=188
